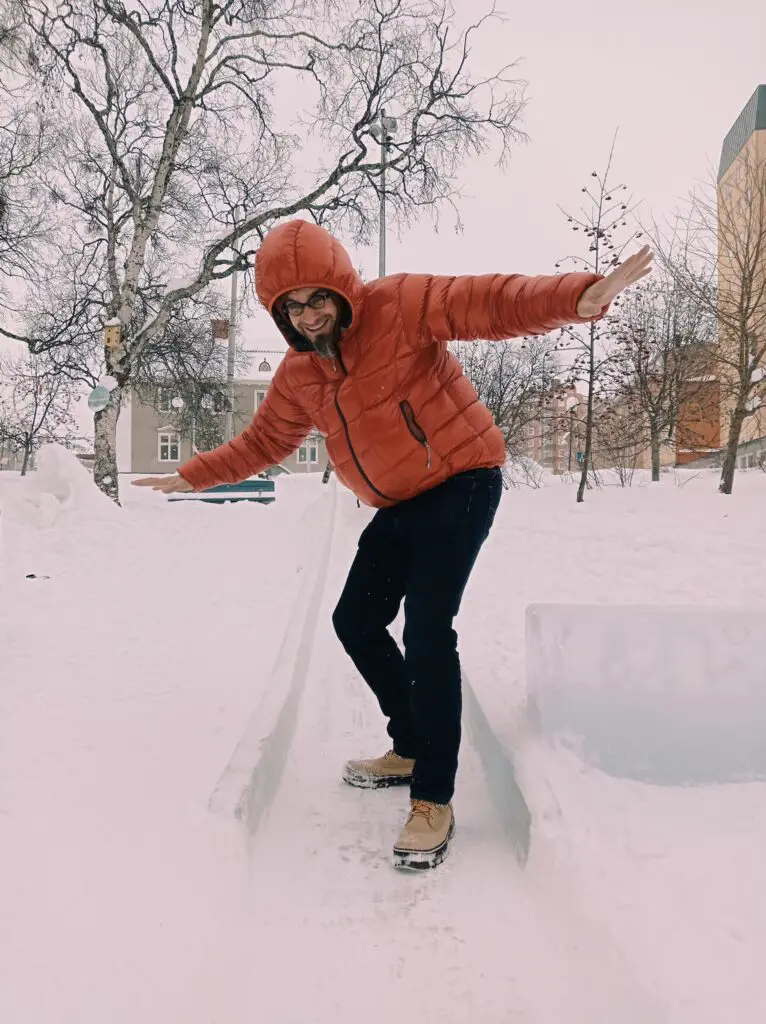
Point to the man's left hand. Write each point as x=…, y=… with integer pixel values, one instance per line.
x=596, y=298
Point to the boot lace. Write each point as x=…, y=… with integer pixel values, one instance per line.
x=392, y=756
x=422, y=809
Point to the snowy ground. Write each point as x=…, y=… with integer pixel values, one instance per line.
x=175, y=648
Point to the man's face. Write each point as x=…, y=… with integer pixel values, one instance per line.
x=315, y=314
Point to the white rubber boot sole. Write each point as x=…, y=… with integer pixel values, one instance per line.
x=363, y=781
x=423, y=860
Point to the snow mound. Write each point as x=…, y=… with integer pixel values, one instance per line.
x=661, y=694
x=61, y=484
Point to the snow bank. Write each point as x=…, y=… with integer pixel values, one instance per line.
x=656, y=693
x=60, y=484
x=47, y=509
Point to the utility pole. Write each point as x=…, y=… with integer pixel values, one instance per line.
x=232, y=349
x=383, y=130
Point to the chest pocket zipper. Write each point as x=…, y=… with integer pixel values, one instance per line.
x=415, y=429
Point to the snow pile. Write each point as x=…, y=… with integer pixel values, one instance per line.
x=61, y=484
x=50, y=511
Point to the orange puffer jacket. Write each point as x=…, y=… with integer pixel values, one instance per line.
x=398, y=414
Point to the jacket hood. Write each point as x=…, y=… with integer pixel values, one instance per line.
x=299, y=254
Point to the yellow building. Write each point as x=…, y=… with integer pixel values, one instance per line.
x=741, y=199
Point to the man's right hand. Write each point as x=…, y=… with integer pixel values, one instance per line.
x=170, y=484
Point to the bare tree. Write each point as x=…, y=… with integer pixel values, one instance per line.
x=619, y=436
x=514, y=381
x=175, y=153
x=35, y=405
x=661, y=357
x=24, y=141
x=188, y=363
x=600, y=220
x=716, y=254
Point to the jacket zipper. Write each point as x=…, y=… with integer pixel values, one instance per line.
x=415, y=429
x=362, y=473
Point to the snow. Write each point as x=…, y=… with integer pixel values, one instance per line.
x=114, y=322
x=175, y=844
x=108, y=382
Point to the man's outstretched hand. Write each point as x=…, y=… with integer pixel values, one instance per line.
x=167, y=484
x=594, y=299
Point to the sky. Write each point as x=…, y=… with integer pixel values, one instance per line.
x=670, y=76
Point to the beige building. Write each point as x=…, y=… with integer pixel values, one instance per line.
x=161, y=437
x=551, y=436
x=742, y=243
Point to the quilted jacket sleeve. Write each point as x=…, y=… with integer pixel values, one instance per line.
x=490, y=307
x=278, y=427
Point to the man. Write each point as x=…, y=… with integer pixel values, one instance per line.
x=369, y=366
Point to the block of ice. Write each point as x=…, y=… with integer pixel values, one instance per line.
x=663, y=694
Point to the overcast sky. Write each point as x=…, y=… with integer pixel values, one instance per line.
x=670, y=75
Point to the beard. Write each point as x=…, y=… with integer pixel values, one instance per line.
x=327, y=343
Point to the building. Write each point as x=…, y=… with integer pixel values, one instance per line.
x=161, y=437
x=555, y=436
x=698, y=425
x=742, y=244
x=550, y=434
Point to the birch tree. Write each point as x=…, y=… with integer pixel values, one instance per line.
x=193, y=128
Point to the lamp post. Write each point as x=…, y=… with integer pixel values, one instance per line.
x=383, y=131
x=231, y=347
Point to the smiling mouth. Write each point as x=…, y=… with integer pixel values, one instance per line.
x=318, y=327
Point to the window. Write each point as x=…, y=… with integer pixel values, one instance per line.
x=308, y=453
x=260, y=394
x=169, y=448
x=164, y=397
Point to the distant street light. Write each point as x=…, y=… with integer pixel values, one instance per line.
x=383, y=131
x=229, y=429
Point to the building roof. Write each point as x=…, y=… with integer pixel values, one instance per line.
x=752, y=119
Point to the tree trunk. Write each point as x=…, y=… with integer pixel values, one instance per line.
x=656, y=455
x=729, y=467
x=586, y=458
x=105, y=447
x=27, y=455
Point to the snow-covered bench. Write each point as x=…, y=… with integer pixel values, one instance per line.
x=256, y=489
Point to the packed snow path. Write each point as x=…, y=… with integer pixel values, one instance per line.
x=479, y=939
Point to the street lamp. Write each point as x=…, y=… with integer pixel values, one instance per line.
x=383, y=131
x=232, y=347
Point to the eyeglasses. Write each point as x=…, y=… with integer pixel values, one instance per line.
x=294, y=309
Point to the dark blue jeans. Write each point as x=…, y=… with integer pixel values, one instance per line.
x=421, y=551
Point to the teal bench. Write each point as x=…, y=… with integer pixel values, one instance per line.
x=262, y=491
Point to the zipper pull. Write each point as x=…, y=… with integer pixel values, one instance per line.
x=428, y=450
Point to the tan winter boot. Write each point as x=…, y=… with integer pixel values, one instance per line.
x=424, y=840
x=389, y=770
